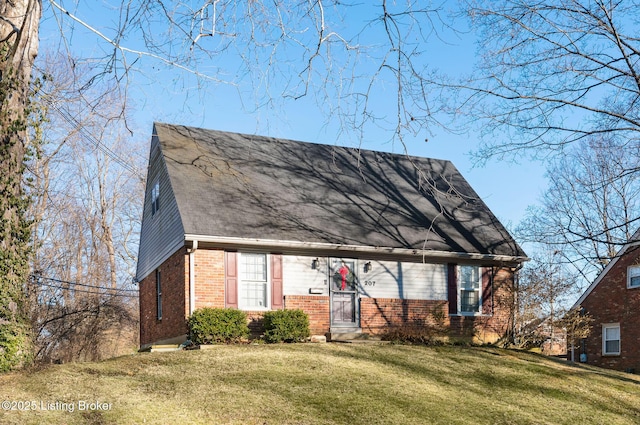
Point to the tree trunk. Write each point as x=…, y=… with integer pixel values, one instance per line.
x=19, y=20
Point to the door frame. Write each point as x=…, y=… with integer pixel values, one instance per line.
x=333, y=266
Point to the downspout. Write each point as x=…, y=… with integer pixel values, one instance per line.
x=516, y=282
x=192, y=276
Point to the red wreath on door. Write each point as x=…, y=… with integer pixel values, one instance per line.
x=344, y=272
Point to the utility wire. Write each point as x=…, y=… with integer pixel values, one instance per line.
x=78, y=284
x=75, y=125
x=84, y=290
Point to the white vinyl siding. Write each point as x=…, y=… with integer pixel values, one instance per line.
x=299, y=278
x=386, y=279
x=403, y=280
x=163, y=234
x=611, y=339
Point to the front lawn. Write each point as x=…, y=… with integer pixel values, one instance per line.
x=323, y=384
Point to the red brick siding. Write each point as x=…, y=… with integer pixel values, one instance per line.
x=317, y=307
x=174, y=274
x=612, y=302
x=209, y=277
x=489, y=328
x=377, y=315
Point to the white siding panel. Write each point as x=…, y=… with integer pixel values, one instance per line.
x=298, y=277
x=415, y=281
x=161, y=233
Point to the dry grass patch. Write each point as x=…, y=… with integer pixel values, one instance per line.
x=325, y=384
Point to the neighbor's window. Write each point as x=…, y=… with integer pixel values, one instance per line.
x=253, y=281
x=470, y=284
x=611, y=339
x=155, y=198
x=633, y=277
x=158, y=295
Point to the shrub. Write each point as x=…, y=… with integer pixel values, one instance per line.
x=417, y=332
x=286, y=326
x=16, y=348
x=217, y=325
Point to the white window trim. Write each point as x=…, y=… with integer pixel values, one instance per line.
x=604, y=341
x=629, y=286
x=459, y=289
x=241, y=304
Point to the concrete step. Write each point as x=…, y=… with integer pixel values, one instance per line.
x=162, y=348
x=348, y=334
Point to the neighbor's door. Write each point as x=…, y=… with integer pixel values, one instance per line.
x=345, y=310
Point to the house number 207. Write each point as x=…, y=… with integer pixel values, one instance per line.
x=369, y=283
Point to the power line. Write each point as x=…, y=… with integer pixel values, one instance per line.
x=75, y=124
x=84, y=290
x=35, y=276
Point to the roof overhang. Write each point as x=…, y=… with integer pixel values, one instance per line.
x=330, y=249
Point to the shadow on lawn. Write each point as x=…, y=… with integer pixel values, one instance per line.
x=493, y=377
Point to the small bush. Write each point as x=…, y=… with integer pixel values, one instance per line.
x=418, y=333
x=218, y=325
x=16, y=348
x=286, y=326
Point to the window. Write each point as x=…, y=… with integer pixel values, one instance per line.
x=470, y=287
x=158, y=295
x=155, y=198
x=611, y=339
x=633, y=277
x=253, y=292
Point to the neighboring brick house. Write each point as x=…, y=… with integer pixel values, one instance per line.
x=362, y=241
x=613, y=301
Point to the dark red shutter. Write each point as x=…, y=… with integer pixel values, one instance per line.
x=277, y=298
x=487, y=290
x=452, y=288
x=231, y=279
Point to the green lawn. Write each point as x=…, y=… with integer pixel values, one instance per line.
x=323, y=384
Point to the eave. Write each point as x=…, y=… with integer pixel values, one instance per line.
x=357, y=251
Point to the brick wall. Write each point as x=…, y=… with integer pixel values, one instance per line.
x=377, y=315
x=209, y=277
x=489, y=328
x=612, y=302
x=317, y=307
x=174, y=274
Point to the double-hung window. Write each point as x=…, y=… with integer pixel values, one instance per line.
x=155, y=198
x=470, y=290
x=633, y=277
x=611, y=339
x=254, y=288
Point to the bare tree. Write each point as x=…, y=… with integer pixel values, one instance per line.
x=543, y=290
x=591, y=207
x=87, y=209
x=554, y=72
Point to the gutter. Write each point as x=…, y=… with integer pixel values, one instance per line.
x=192, y=275
x=234, y=242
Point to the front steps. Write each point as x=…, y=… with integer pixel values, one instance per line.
x=351, y=335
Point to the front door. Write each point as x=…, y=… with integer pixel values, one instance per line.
x=344, y=293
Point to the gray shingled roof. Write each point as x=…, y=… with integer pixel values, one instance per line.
x=255, y=187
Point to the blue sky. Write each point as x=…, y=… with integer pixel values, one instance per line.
x=161, y=94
